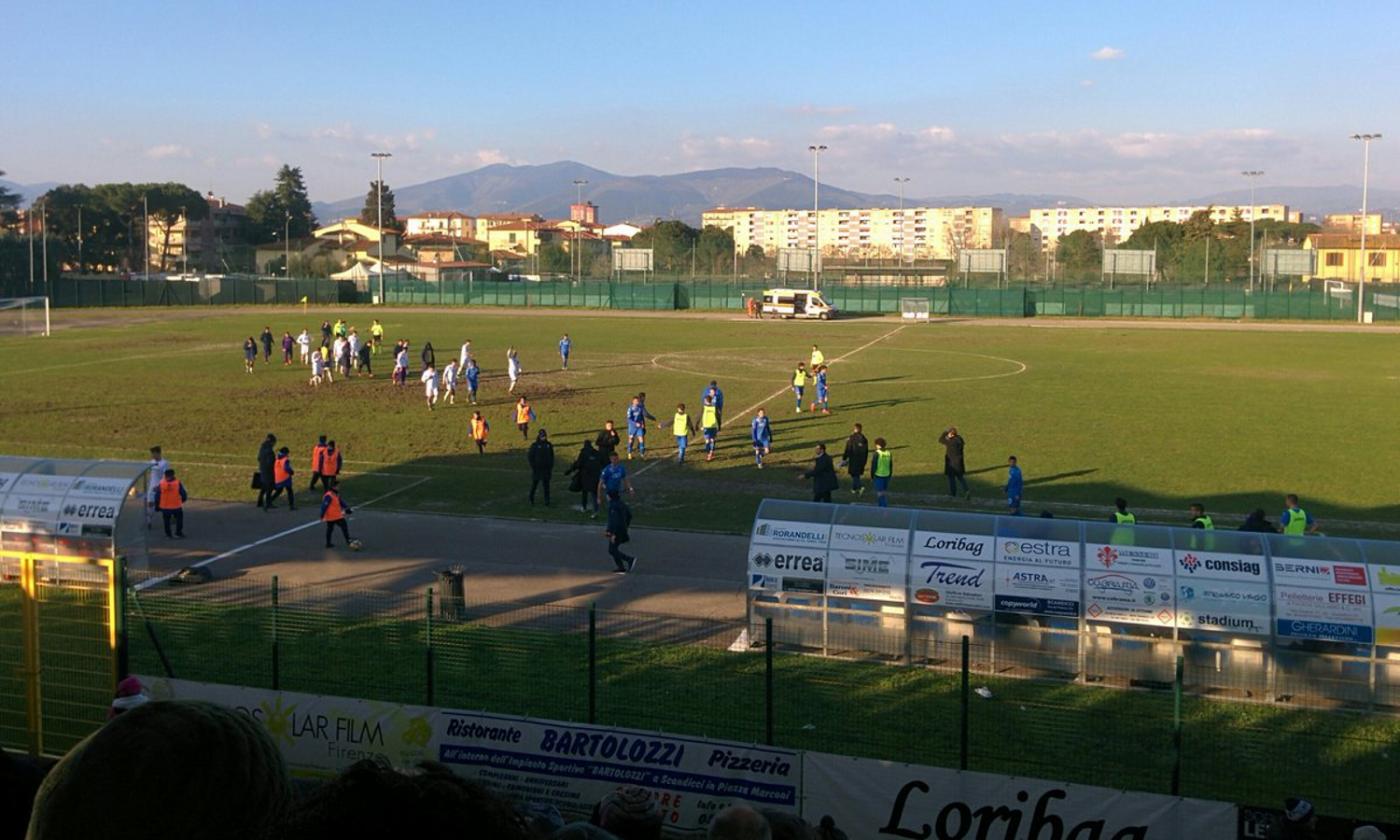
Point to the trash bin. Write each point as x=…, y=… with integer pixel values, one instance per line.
x=453, y=601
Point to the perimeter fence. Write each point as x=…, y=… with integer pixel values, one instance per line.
x=700, y=677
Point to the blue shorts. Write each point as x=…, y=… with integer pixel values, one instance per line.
x=710, y=432
x=821, y=395
x=797, y=389
x=881, y=483
x=636, y=431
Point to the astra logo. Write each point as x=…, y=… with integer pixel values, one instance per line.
x=1027, y=577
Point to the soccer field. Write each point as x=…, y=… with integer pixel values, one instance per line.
x=1233, y=418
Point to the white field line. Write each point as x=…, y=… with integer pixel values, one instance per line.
x=147, y=584
x=204, y=348
x=778, y=393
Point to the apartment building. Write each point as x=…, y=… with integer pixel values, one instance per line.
x=882, y=232
x=197, y=243
x=449, y=223
x=1351, y=223
x=1115, y=224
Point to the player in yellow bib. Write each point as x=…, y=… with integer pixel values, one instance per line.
x=799, y=384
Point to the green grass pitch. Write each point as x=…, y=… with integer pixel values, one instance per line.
x=1163, y=417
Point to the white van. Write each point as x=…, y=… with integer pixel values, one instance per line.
x=796, y=303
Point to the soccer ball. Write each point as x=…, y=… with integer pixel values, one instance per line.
x=356, y=545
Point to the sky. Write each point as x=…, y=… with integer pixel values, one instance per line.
x=1113, y=101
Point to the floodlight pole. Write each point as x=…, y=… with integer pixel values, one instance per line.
x=146, y=212
x=1251, y=174
x=44, y=224
x=29, y=223
x=184, y=241
x=1365, y=185
x=379, y=208
x=816, y=150
x=901, y=181
x=287, y=244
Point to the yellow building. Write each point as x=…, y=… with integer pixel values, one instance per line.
x=521, y=238
x=1339, y=256
x=1115, y=224
x=882, y=232
x=483, y=223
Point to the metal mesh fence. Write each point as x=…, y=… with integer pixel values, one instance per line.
x=1012, y=710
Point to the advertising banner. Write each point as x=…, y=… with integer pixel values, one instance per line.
x=944, y=545
x=866, y=574
x=1129, y=598
x=1318, y=573
x=956, y=584
x=569, y=766
x=1145, y=560
x=1223, y=606
x=1332, y=615
x=868, y=798
x=1054, y=553
x=1385, y=579
x=1387, y=611
x=781, y=533
x=860, y=538
x=1215, y=565
x=784, y=569
x=1037, y=590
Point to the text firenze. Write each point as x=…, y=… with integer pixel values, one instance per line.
x=958, y=820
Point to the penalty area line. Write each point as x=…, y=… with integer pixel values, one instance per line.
x=147, y=584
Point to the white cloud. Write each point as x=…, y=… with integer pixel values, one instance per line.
x=1107, y=54
x=263, y=130
x=808, y=108
x=1086, y=83
x=166, y=151
x=486, y=157
x=724, y=150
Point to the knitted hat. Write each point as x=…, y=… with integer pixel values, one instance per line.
x=628, y=812
x=130, y=694
x=217, y=773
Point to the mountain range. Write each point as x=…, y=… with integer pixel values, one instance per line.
x=548, y=190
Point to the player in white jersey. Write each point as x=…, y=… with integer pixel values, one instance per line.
x=155, y=472
x=304, y=344
x=430, y=385
x=449, y=381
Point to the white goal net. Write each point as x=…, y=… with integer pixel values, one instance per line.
x=914, y=309
x=24, y=316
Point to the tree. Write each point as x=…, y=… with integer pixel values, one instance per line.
x=714, y=250
x=1079, y=254
x=1023, y=259
x=370, y=214
x=9, y=203
x=671, y=241
x=553, y=259
x=286, y=205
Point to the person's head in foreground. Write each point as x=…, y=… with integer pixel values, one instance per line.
x=177, y=770
x=630, y=812
x=739, y=822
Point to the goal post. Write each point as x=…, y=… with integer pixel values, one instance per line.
x=914, y=309
x=24, y=316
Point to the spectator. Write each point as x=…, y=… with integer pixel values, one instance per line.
x=267, y=460
x=854, y=458
x=19, y=781
x=581, y=831
x=130, y=694
x=823, y=475
x=619, y=521
x=783, y=825
x=371, y=799
x=171, y=502
x=607, y=441
x=1258, y=522
x=266, y=338
x=428, y=356
x=1299, y=821
x=629, y=813
x=541, y=459
x=827, y=830
x=954, y=467
x=739, y=822
x=218, y=773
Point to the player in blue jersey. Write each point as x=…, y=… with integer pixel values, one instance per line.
x=761, y=431
x=823, y=395
x=565, y=345
x=637, y=417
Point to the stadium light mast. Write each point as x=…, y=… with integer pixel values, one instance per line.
x=901, y=180
x=146, y=211
x=573, y=253
x=1365, y=184
x=287, y=244
x=1251, y=174
x=816, y=149
x=379, y=208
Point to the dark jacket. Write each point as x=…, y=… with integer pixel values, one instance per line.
x=953, y=454
x=856, y=454
x=606, y=443
x=267, y=456
x=541, y=458
x=588, y=466
x=619, y=519
x=267, y=339
x=823, y=474
x=1259, y=524
x=428, y=357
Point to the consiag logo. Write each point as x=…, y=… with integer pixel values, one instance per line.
x=1190, y=563
x=1107, y=556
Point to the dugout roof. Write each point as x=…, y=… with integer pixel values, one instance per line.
x=82, y=508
